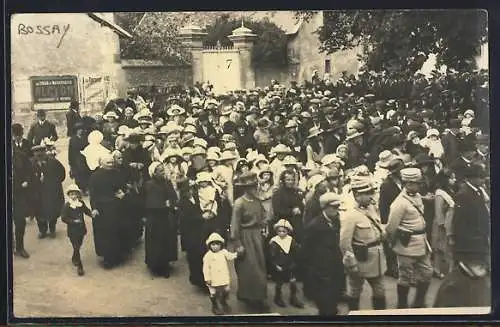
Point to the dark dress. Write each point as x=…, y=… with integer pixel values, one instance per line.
x=51, y=190
x=77, y=162
x=325, y=276
x=104, y=183
x=161, y=226
x=194, y=232
x=284, y=200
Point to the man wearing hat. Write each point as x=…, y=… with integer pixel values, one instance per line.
x=41, y=129
x=468, y=285
x=76, y=160
x=325, y=277
x=22, y=176
x=406, y=229
x=19, y=143
x=72, y=117
x=361, y=236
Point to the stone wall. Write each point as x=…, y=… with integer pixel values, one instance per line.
x=142, y=72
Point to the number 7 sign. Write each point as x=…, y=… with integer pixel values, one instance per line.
x=229, y=61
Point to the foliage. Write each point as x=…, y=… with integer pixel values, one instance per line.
x=402, y=40
x=155, y=38
x=270, y=48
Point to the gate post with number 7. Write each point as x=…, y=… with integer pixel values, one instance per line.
x=226, y=68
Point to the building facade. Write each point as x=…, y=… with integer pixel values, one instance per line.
x=57, y=57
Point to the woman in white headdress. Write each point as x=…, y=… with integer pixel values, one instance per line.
x=95, y=150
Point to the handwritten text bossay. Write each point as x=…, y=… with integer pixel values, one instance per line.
x=23, y=29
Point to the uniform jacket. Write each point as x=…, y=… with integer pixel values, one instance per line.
x=404, y=214
x=216, y=268
x=39, y=131
x=357, y=228
x=471, y=225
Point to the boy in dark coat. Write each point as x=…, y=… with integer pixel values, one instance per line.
x=72, y=214
x=284, y=253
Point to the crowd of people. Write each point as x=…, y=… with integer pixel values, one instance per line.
x=326, y=183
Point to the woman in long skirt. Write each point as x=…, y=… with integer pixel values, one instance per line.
x=161, y=229
x=195, y=229
x=247, y=224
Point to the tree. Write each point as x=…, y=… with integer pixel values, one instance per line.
x=155, y=38
x=397, y=40
x=270, y=48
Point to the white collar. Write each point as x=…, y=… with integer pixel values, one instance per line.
x=284, y=243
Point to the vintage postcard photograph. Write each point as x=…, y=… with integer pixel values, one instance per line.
x=245, y=163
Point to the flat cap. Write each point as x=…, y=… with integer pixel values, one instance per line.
x=329, y=199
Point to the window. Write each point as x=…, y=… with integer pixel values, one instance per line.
x=327, y=66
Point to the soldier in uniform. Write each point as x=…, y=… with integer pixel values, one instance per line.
x=406, y=230
x=361, y=235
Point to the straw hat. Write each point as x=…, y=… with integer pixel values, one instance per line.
x=199, y=142
x=227, y=155
x=351, y=134
x=175, y=110
x=214, y=237
x=110, y=114
x=247, y=179
x=362, y=185
x=384, y=158
x=314, y=131
x=411, y=175
x=283, y=223
x=73, y=188
x=204, y=177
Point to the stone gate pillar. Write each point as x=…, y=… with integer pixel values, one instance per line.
x=243, y=40
x=192, y=37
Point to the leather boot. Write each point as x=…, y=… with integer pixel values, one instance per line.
x=353, y=303
x=294, y=300
x=403, y=296
x=216, y=310
x=378, y=303
x=277, y=296
x=420, y=296
x=225, y=306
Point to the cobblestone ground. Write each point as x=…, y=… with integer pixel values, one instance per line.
x=46, y=284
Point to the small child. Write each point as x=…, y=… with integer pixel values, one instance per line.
x=72, y=215
x=216, y=272
x=284, y=255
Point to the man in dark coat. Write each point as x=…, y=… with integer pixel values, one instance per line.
x=19, y=143
x=72, y=117
x=389, y=190
x=323, y=258
x=22, y=176
x=469, y=284
x=332, y=137
x=41, y=129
